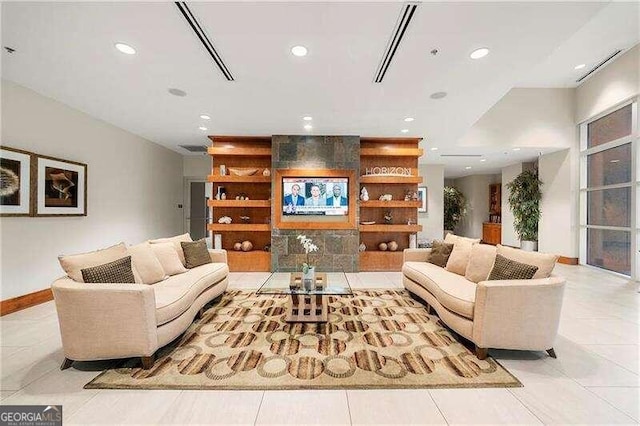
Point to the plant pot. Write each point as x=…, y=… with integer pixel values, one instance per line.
x=529, y=245
x=309, y=279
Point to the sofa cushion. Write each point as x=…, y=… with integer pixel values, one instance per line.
x=74, y=263
x=454, y=292
x=176, y=294
x=452, y=239
x=481, y=262
x=544, y=261
x=195, y=253
x=507, y=269
x=440, y=252
x=146, y=263
x=459, y=258
x=176, y=244
x=118, y=271
x=168, y=257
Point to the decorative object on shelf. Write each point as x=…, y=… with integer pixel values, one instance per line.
x=267, y=247
x=246, y=246
x=382, y=246
x=411, y=195
x=15, y=182
x=223, y=196
x=308, y=269
x=364, y=194
x=388, y=217
x=421, y=196
x=245, y=219
x=223, y=170
x=524, y=202
x=221, y=191
x=237, y=171
x=362, y=247
x=225, y=219
x=386, y=197
x=413, y=241
x=455, y=208
x=266, y=172
x=217, y=241
x=369, y=222
x=392, y=245
x=61, y=187
x=237, y=246
x=415, y=196
x=387, y=171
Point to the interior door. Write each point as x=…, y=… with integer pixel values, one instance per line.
x=198, y=214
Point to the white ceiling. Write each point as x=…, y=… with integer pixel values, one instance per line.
x=65, y=51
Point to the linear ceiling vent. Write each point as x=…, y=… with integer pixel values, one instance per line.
x=195, y=26
x=392, y=46
x=600, y=65
x=461, y=155
x=194, y=148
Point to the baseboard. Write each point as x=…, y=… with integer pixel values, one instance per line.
x=568, y=260
x=23, y=302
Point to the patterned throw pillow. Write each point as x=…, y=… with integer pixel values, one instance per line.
x=507, y=269
x=118, y=271
x=440, y=252
x=195, y=253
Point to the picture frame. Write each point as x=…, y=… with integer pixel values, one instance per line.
x=16, y=197
x=422, y=196
x=60, y=187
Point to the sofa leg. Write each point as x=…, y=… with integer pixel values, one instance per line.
x=148, y=361
x=551, y=353
x=481, y=353
x=66, y=364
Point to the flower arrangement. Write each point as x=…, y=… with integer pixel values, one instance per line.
x=307, y=244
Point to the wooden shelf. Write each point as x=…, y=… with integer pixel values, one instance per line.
x=253, y=227
x=240, y=203
x=239, y=152
x=390, y=179
x=381, y=260
x=391, y=152
x=251, y=261
x=391, y=228
x=401, y=204
x=230, y=179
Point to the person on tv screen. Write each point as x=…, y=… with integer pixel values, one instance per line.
x=294, y=199
x=337, y=199
x=315, y=199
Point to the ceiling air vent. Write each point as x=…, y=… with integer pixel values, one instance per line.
x=195, y=26
x=392, y=46
x=194, y=148
x=600, y=65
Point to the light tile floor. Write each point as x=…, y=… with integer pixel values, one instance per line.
x=594, y=379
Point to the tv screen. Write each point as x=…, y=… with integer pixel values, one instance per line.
x=319, y=196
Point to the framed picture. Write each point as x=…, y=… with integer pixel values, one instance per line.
x=61, y=187
x=15, y=182
x=422, y=196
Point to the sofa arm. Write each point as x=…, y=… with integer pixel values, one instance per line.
x=518, y=314
x=218, y=256
x=105, y=321
x=416, y=255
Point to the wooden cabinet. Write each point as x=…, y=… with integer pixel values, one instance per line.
x=491, y=233
x=242, y=152
x=390, y=153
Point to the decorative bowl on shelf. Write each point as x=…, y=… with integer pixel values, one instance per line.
x=236, y=171
x=371, y=222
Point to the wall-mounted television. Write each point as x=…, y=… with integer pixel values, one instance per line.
x=315, y=196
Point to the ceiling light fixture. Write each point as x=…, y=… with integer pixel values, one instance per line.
x=479, y=53
x=125, y=48
x=408, y=119
x=308, y=127
x=405, y=130
x=177, y=92
x=205, y=117
x=307, y=118
x=516, y=149
x=615, y=161
x=438, y=95
x=482, y=160
x=434, y=148
x=202, y=128
x=299, y=50
x=579, y=67
x=468, y=168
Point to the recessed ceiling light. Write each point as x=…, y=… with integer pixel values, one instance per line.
x=205, y=117
x=125, y=48
x=438, y=95
x=479, y=53
x=468, y=168
x=579, y=67
x=307, y=118
x=308, y=127
x=516, y=149
x=434, y=148
x=615, y=161
x=299, y=50
x=202, y=128
x=405, y=130
x=482, y=160
x=408, y=119
x=177, y=92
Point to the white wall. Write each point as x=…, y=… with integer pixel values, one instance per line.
x=433, y=220
x=196, y=166
x=475, y=188
x=134, y=187
x=509, y=236
x=614, y=84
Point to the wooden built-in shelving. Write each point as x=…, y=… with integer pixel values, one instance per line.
x=255, y=260
x=247, y=152
x=391, y=179
x=376, y=260
x=236, y=179
x=240, y=203
x=253, y=227
x=390, y=228
x=400, y=204
x=391, y=152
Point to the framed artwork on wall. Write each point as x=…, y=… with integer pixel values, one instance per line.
x=422, y=196
x=15, y=182
x=61, y=187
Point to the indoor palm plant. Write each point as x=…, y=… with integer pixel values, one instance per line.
x=454, y=208
x=524, y=202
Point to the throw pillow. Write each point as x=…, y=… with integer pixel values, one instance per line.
x=459, y=258
x=74, y=263
x=481, y=262
x=544, y=261
x=452, y=239
x=176, y=244
x=168, y=257
x=196, y=253
x=507, y=269
x=440, y=252
x=118, y=271
x=146, y=263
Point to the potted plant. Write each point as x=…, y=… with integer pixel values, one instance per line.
x=308, y=269
x=524, y=202
x=454, y=208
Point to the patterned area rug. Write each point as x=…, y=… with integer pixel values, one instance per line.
x=374, y=339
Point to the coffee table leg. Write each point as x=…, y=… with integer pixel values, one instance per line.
x=307, y=308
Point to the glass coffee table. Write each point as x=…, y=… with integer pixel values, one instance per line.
x=308, y=302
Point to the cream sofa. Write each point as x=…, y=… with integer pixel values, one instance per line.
x=504, y=314
x=107, y=321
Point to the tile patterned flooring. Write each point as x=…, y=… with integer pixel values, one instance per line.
x=594, y=379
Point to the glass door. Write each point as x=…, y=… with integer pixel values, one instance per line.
x=197, y=213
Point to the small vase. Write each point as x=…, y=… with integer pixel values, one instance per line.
x=309, y=279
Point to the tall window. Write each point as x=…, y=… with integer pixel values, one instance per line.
x=608, y=184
